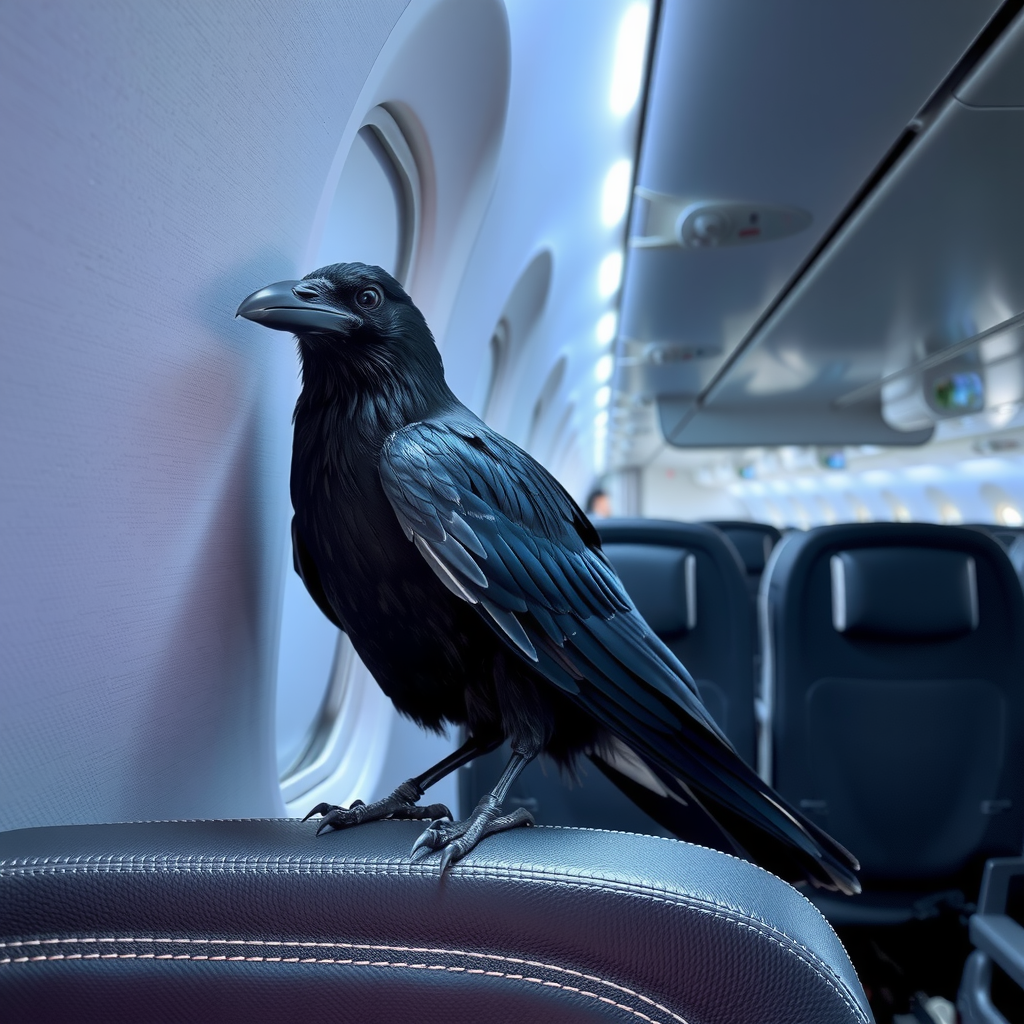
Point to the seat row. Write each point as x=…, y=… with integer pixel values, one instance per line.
x=876, y=680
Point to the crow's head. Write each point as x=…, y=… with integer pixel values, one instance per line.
x=350, y=317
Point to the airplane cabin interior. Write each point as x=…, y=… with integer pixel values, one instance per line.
x=746, y=277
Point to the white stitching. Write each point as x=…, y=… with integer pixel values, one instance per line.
x=339, y=962
x=225, y=865
x=830, y=981
x=100, y=863
x=161, y=863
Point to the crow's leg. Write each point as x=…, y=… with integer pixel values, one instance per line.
x=402, y=803
x=456, y=838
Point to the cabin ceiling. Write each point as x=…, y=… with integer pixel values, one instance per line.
x=916, y=237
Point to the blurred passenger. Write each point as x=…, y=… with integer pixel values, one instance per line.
x=599, y=505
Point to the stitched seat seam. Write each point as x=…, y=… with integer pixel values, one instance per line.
x=107, y=863
x=344, y=962
x=790, y=946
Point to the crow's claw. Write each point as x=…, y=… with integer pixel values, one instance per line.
x=429, y=839
x=419, y=852
x=319, y=809
x=400, y=804
x=447, y=856
x=456, y=838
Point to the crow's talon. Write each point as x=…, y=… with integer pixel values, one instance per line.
x=456, y=838
x=433, y=837
x=400, y=804
x=420, y=852
x=319, y=809
x=447, y=856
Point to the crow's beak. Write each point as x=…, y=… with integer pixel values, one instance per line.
x=291, y=306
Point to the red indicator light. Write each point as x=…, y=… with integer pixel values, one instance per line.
x=748, y=232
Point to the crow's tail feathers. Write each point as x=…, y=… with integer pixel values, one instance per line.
x=741, y=815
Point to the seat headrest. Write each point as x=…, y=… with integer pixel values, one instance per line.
x=662, y=583
x=753, y=547
x=904, y=592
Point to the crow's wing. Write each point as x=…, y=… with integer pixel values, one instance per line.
x=501, y=533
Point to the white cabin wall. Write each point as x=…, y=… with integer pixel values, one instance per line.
x=561, y=140
x=163, y=160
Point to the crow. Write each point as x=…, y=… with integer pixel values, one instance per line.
x=475, y=591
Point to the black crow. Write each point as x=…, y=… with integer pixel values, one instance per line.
x=474, y=589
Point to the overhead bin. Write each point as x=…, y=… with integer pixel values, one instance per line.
x=933, y=259
x=708, y=329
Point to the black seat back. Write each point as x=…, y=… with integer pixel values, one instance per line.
x=753, y=542
x=894, y=676
x=688, y=582
x=1006, y=535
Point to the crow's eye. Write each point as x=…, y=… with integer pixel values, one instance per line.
x=369, y=298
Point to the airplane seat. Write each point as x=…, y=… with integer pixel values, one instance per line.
x=1016, y=555
x=261, y=920
x=894, y=679
x=1006, y=535
x=754, y=543
x=688, y=582
x=704, y=619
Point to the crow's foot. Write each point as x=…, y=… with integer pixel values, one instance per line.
x=456, y=838
x=400, y=804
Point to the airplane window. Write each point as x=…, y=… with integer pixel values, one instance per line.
x=516, y=325
x=368, y=227
x=544, y=400
x=948, y=512
x=497, y=350
x=373, y=218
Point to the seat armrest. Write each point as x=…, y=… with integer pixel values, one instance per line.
x=266, y=921
x=998, y=939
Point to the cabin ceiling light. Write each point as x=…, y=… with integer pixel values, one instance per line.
x=609, y=275
x=615, y=195
x=986, y=467
x=607, y=326
x=603, y=396
x=601, y=420
x=1001, y=415
x=628, y=71
x=949, y=514
x=603, y=369
x=1008, y=515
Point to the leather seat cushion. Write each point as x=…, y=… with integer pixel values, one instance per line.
x=261, y=920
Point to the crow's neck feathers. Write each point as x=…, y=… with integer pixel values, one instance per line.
x=370, y=393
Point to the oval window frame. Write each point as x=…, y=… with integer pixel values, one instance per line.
x=349, y=719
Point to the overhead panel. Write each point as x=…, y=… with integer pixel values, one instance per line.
x=762, y=109
x=921, y=290
x=999, y=82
